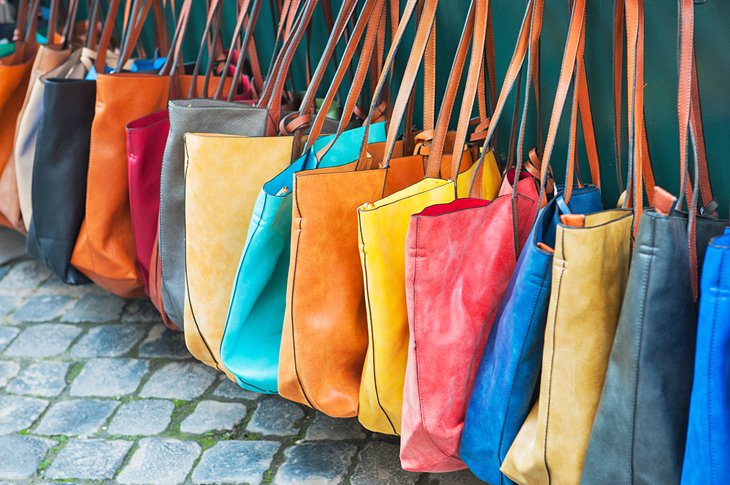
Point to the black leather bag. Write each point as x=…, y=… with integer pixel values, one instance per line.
x=61, y=163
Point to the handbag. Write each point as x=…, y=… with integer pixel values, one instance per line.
x=641, y=423
x=105, y=250
x=551, y=444
x=708, y=432
x=325, y=323
x=145, y=146
x=508, y=374
x=193, y=116
x=15, y=72
x=382, y=229
x=47, y=61
x=246, y=163
x=252, y=335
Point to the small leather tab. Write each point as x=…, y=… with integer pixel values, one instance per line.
x=546, y=248
x=663, y=201
x=573, y=220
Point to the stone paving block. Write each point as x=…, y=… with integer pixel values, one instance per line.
x=109, y=377
x=19, y=413
x=235, y=462
x=228, y=389
x=108, y=341
x=7, y=334
x=47, y=379
x=179, y=380
x=43, y=340
x=77, y=417
x=54, y=286
x=4, y=270
x=324, y=428
x=8, y=370
x=145, y=417
x=89, y=459
x=41, y=308
x=25, y=275
x=275, y=416
x=379, y=464
x=21, y=456
x=8, y=304
x=160, y=461
x=463, y=477
x=96, y=309
x=141, y=311
x=213, y=415
x=162, y=343
x=320, y=463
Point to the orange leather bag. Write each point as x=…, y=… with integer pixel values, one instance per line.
x=105, y=250
x=15, y=71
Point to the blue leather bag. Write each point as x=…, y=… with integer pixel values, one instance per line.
x=506, y=381
x=707, y=453
x=252, y=336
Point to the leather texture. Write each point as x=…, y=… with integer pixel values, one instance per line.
x=58, y=193
x=146, y=139
x=510, y=368
x=706, y=460
x=325, y=323
x=382, y=231
x=252, y=336
x=191, y=116
x=641, y=425
x=14, y=78
x=459, y=258
x=590, y=269
x=105, y=249
x=223, y=176
x=47, y=62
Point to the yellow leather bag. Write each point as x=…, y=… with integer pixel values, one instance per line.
x=223, y=177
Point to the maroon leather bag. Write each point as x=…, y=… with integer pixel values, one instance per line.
x=146, y=139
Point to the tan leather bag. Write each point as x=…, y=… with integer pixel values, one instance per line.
x=105, y=250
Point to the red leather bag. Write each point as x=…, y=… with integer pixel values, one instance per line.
x=146, y=138
x=459, y=260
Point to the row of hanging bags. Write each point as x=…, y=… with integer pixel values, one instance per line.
x=640, y=428
x=223, y=175
x=708, y=433
x=252, y=336
x=61, y=154
x=198, y=115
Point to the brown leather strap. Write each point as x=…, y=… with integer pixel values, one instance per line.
x=106, y=35
x=69, y=23
x=174, y=54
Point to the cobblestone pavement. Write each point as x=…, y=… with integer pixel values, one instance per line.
x=94, y=389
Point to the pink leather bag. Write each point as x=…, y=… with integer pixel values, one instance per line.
x=146, y=139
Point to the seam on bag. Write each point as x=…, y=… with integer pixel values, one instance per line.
x=370, y=324
x=513, y=376
x=293, y=292
x=638, y=345
x=195, y=319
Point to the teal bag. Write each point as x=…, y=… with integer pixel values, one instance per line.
x=252, y=336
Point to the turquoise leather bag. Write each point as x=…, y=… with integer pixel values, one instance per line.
x=252, y=336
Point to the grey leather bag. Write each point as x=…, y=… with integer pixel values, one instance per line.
x=191, y=116
x=641, y=425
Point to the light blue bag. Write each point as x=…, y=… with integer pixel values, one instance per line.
x=252, y=336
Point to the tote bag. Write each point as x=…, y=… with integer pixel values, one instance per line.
x=708, y=435
x=641, y=424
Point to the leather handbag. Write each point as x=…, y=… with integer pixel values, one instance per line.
x=15, y=72
x=47, y=61
x=325, y=322
x=105, y=250
x=510, y=368
x=708, y=432
x=146, y=139
x=246, y=163
x=641, y=423
x=192, y=116
x=382, y=228
x=252, y=336
x=550, y=446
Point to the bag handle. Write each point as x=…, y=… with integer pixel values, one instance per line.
x=69, y=24
x=106, y=35
x=173, y=59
